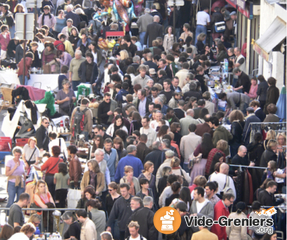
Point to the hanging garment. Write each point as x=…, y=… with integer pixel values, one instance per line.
x=20, y=93
x=29, y=104
x=281, y=104
x=49, y=100
x=250, y=187
x=246, y=184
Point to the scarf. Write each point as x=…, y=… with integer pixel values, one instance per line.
x=43, y=16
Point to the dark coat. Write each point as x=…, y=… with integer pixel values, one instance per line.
x=267, y=156
x=196, y=112
x=260, y=114
x=203, y=86
x=42, y=138
x=247, y=128
x=142, y=151
x=153, y=31
x=243, y=80
x=272, y=96
x=262, y=91
x=203, y=128
x=190, y=94
x=271, y=118
x=267, y=199
x=144, y=217
x=151, y=64
x=82, y=72
x=236, y=131
x=155, y=158
x=75, y=17
x=148, y=101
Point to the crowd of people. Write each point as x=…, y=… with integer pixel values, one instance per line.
x=158, y=137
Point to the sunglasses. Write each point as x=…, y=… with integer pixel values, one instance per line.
x=46, y=122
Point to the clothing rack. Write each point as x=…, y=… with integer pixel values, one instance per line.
x=241, y=166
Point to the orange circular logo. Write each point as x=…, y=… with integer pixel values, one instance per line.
x=167, y=220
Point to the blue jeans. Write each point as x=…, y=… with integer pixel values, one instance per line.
x=12, y=191
x=21, y=80
x=75, y=84
x=142, y=34
x=185, y=168
x=199, y=29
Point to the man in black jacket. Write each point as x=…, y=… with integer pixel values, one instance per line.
x=144, y=217
x=153, y=31
x=88, y=70
x=266, y=197
x=155, y=156
x=121, y=211
x=257, y=109
x=216, y=16
x=42, y=135
x=243, y=84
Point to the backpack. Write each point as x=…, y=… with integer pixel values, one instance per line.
x=79, y=118
x=226, y=188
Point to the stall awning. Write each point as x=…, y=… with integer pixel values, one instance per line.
x=271, y=38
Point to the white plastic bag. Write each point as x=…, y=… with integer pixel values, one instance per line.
x=73, y=197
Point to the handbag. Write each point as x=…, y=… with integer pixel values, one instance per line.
x=184, y=183
x=219, y=27
x=47, y=69
x=73, y=196
x=29, y=169
x=193, y=160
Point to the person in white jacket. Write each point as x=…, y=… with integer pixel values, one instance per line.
x=118, y=124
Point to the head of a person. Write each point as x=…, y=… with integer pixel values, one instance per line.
x=78, y=54
x=99, y=154
x=134, y=229
x=237, y=51
x=200, y=181
x=271, y=81
x=271, y=108
x=242, y=151
x=112, y=188
x=198, y=193
x=46, y=9
x=93, y=166
x=28, y=229
x=201, y=37
x=240, y=207
x=222, y=145
x=69, y=22
x=281, y=139
x=124, y=190
x=41, y=187
x=93, y=204
x=129, y=171
x=210, y=189
x=236, y=115
x=6, y=231
x=136, y=202
x=66, y=84
x=89, y=192
x=254, y=104
x=118, y=143
x=228, y=199
x=81, y=215
x=271, y=187
x=237, y=72
x=68, y=217
x=224, y=168
x=272, y=144
x=45, y=122
x=56, y=151
x=108, y=143
x=192, y=128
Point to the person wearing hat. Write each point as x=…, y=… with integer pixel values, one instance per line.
x=88, y=117
x=237, y=232
x=47, y=18
x=11, y=48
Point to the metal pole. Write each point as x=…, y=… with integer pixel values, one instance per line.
x=35, y=17
x=174, y=20
x=24, y=50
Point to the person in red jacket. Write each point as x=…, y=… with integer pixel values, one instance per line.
x=221, y=209
x=28, y=63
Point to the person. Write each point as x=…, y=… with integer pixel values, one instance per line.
x=93, y=177
x=243, y=84
x=6, y=232
x=46, y=18
x=271, y=110
x=31, y=152
x=236, y=119
x=42, y=135
x=121, y=210
x=239, y=60
x=221, y=209
x=15, y=171
x=215, y=155
x=253, y=89
x=74, y=69
x=200, y=206
x=186, y=121
x=118, y=124
x=97, y=216
x=88, y=70
x=148, y=131
x=202, y=20
x=134, y=231
x=25, y=233
x=75, y=169
x=220, y=133
x=111, y=157
x=74, y=229
x=210, y=192
x=147, y=173
x=186, y=32
x=234, y=99
x=188, y=144
x=57, y=141
x=237, y=232
x=168, y=39
x=35, y=219
x=142, y=22
x=272, y=93
x=66, y=98
x=267, y=236
x=111, y=197
x=99, y=156
x=88, y=229
x=251, y=118
x=105, y=110
x=240, y=159
x=77, y=124
x=4, y=40
x=74, y=37
x=16, y=217
x=88, y=194
x=142, y=149
x=131, y=180
x=61, y=180
x=48, y=59
x=130, y=160
x=204, y=234
x=153, y=31
x=257, y=109
x=176, y=170
x=262, y=91
x=266, y=197
x=42, y=197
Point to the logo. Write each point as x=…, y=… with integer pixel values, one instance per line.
x=167, y=220
x=267, y=212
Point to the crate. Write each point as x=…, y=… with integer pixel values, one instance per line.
x=20, y=142
x=5, y=144
x=2, y=156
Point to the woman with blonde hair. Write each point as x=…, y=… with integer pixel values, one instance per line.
x=177, y=170
x=27, y=231
x=131, y=180
x=269, y=154
x=200, y=43
x=236, y=119
x=270, y=135
x=31, y=152
x=147, y=173
x=281, y=149
x=93, y=177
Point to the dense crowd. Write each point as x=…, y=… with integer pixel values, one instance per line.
x=158, y=135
